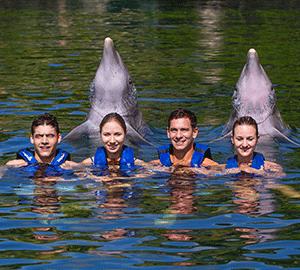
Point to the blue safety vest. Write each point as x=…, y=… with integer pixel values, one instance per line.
x=28, y=156
x=257, y=162
x=200, y=151
x=126, y=161
x=51, y=170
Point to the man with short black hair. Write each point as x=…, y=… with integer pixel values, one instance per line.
x=45, y=137
x=182, y=130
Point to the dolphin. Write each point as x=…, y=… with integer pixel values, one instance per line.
x=255, y=96
x=112, y=90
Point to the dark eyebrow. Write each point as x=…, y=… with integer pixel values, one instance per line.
x=38, y=134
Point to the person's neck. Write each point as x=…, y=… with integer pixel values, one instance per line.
x=113, y=158
x=45, y=160
x=182, y=157
x=245, y=160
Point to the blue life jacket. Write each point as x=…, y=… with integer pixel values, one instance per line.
x=126, y=161
x=28, y=156
x=51, y=170
x=200, y=152
x=257, y=162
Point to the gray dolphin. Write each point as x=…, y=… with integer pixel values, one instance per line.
x=112, y=90
x=255, y=96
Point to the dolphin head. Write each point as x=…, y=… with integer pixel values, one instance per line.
x=112, y=88
x=254, y=94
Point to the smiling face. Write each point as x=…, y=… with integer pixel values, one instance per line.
x=182, y=134
x=45, y=139
x=113, y=136
x=244, y=140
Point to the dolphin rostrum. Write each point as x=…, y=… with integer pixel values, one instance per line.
x=112, y=90
x=254, y=96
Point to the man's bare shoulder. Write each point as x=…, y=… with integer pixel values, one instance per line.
x=17, y=163
x=87, y=161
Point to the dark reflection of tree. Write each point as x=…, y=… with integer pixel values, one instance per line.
x=39, y=4
x=117, y=6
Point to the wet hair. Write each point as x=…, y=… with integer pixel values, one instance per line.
x=113, y=117
x=45, y=119
x=245, y=120
x=181, y=113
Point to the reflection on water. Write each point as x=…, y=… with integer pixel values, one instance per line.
x=211, y=15
x=170, y=218
x=188, y=55
x=253, y=197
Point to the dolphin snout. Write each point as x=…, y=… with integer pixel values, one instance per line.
x=108, y=42
x=252, y=53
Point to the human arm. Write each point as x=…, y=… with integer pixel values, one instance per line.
x=270, y=169
x=273, y=167
x=68, y=164
x=220, y=169
x=87, y=162
x=155, y=162
x=17, y=163
x=207, y=162
x=152, y=166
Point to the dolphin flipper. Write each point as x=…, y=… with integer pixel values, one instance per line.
x=81, y=131
x=286, y=138
x=222, y=137
x=138, y=136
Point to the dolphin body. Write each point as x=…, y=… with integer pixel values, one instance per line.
x=112, y=90
x=254, y=96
